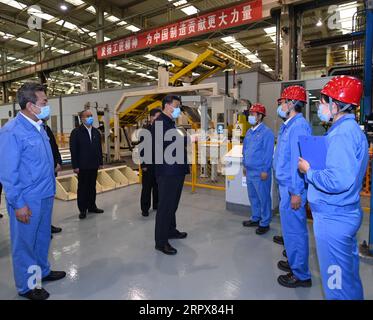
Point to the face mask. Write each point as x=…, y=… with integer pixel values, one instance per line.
x=282, y=114
x=89, y=121
x=45, y=112
x=176, y=113
x=323, y=117
x=252, y=120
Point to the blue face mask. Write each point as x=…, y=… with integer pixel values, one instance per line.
x=45, y=112
x=282, y=114
x=323, y=117
x=89, y=121
x=252, y=120
x=176, y=113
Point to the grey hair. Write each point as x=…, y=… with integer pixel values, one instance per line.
x=26, y=93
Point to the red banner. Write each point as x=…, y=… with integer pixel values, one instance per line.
x=221, y=19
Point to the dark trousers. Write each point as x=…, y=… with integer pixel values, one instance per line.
x=87, y=189
x=149, y=186
x=169, y=193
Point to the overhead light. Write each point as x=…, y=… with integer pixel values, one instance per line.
x=180, y=3
x=270, y=30
x=229, y=39
x=14, y=4
x=319, y=23
x=111, y=65
x=91, y=9
x=75, y=2
x=132, y=28
x=33, y=43
x=190, y=10
x=63, y=7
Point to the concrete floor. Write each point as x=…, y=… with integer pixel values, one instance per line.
x=112, y=256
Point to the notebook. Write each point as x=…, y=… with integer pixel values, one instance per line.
x=314, y=150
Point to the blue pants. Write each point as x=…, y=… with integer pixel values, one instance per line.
x=295, y=233
x=30, y=242
x=337, y=251
x=259, y=192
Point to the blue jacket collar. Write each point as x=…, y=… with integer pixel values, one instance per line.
x=335, y=125
x=299, y=115
x=259, y=129
x=24, y=122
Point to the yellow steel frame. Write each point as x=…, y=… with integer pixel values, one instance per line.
x=140, y=108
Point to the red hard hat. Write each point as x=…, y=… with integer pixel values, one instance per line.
x=345, y=89
x=294, y=93
x=258, y=108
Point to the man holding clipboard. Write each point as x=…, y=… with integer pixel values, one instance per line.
x=334, y=190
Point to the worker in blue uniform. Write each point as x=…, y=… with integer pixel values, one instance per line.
x=334, y=192
x=27, y=175
x=292, y=189
x=257, y=154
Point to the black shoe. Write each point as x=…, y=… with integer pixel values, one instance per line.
x=278, y=240
x=36, y=294
x=290, y=281
x=145, y=214
x=262, y=230
x=96, y=210
x=54, y=276
x=284, y=266
x=83, y=215
x=51, y=236
x=1, y=216
x=250, y=223
x=55, y=229
x=167, y=249
x=155, y=208
x=284, y=254
x=179, y=235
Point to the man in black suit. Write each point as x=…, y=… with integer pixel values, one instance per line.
x=56, y=157
x=149, y=183
x=86, y=158
x=170, y=175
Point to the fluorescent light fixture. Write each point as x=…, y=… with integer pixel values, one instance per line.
x=156, y=59
x=11, y=58
x=75, y=2
x=107, y=38
x=38, y=13
x=14, y=4
x=68, y=25
x=190, y=10
x=195, y=74
x=63, y=7
x=319, y=23
x=229, y=39
x=120, y=68
x=6, y=35
x=270, y=30
x=91, y=9
x=132, y=28
x=267, y=68
x=33, y=43
x=180, y=3
x=111, y=65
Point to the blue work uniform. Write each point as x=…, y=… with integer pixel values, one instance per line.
x=334, y=197
x=27, y=175
x=292, y=182
x=257, y=153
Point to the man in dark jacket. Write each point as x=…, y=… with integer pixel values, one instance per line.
x=56, y=157
x=149, y=183
x=86, y=158
x=170, y=174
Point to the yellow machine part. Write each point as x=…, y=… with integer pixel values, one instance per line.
x=208, y=61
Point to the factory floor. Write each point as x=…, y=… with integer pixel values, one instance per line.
x=112, y=256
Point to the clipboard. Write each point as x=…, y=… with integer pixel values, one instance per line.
x=314, y=150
